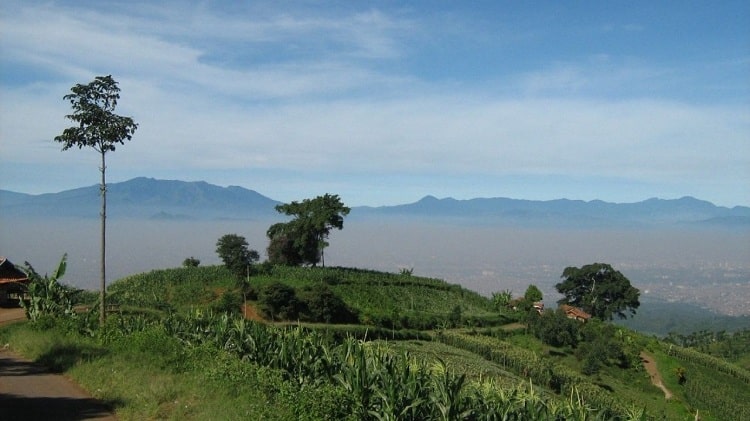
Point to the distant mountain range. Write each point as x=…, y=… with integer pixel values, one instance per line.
x=169, y=199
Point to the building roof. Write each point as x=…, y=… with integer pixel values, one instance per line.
x=575, y=312
x=9, y=273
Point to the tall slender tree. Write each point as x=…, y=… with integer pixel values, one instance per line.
x=97, y=127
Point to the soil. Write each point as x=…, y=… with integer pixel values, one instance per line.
x=650, y=365
x=30, y=392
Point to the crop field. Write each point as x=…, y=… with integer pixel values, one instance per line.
x=167, y=354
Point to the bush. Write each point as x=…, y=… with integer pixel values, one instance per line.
x=191, y=262
x=279, y=301
x=323, y=305
x=229, y=302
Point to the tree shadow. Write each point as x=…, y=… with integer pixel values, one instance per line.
x=60, y=358
x=15, y=407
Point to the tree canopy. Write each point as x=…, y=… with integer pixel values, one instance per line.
x=599, y=290
x=97, y=126
x=533, y=294
x=302, y=240
x=232, y=250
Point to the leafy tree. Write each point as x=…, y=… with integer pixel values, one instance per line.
x=232, y=250
x=279, y=301
x=599, y=290
x=47, y=297
x=98, y=127
x=555, y=328
x=191, y=262
x=533, y=294
x=303, y=239
x=281, y=249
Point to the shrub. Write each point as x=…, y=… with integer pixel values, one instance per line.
x=191, y=262
x=279, y=301
x=323, y=305
x=229, y=302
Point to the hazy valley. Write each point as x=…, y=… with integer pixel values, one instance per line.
x=704, y=265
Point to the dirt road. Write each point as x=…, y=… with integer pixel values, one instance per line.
x=29, y=392
x=650, y=364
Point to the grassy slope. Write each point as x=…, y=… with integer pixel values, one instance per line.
x=177, y=394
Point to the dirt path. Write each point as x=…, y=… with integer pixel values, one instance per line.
x=29, y=392
x=11, y=315
x=650, y=364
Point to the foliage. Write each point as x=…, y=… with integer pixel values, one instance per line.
x=599, y=290
x=46, y=296
x=172, y=289
x=555, y=328
x=730, y=346
x=279, y=301
x=323, y=305
x=501, y=299
x=542, y=372
x=303, y=239
x=191, y=262
x=97, y=126
x=604, y=344
x=533, y=294
x=282, y=249
x=232, y=250
x=718, y=364
x=229, y=302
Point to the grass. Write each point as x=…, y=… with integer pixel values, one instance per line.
x=149, y=375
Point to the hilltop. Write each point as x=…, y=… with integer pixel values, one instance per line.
x=437, y=321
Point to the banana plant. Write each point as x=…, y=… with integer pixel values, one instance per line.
x=46, y=295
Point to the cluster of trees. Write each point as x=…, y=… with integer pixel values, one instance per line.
x=300, y=241
x=317, y=303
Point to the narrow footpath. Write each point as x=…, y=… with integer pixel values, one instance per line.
x=650, y=364
x=29, y=392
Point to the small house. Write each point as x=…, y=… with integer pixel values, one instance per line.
x=575, y=313
x=13, y=282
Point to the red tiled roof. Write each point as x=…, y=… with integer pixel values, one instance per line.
x=575, y=312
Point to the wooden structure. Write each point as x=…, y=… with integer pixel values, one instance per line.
x=13, y=282
x=575, y=313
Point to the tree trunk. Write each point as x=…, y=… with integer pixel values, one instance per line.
x=103, y=283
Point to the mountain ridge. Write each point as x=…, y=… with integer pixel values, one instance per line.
x=143, y=197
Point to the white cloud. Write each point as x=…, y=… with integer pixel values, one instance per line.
x=316, y=93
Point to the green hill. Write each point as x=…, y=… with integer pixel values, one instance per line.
x=434, y=351
x=378, y=298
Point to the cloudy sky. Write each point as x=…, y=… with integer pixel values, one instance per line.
x=385, y=102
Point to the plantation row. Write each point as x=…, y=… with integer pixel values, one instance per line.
x=712, y=393
x=368, y=381
x=528, y=364
x=723, y=366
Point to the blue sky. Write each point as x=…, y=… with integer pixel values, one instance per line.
x=385, y=102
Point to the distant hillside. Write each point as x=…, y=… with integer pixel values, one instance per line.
x=145, y=198
x=169, y=199
x=573, y=213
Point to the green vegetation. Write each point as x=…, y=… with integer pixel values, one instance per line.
x=232, y=250
x=303, y=239
x=359, y=344
x=599, y=290
x=47, y=297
